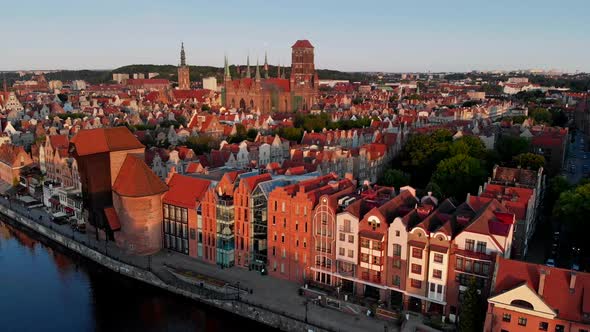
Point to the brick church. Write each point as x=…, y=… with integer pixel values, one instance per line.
x=275, y=94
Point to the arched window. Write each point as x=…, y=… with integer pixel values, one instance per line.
x=522, y=304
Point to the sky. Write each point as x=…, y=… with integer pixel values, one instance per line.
x=390, y=36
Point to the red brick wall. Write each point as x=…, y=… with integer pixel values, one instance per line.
x=209, y=225
x=243, y=225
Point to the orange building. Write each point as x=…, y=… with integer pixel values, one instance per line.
x=13, y=159
x=137, y=202
x=181, y=221
x=290, y=218
x=531, y=297
x=244, y=227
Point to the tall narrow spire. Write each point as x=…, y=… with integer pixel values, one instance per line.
x=248, y=67
x=257, y=72
x=279, y=70
x=182, y=55
x=265, y=65
x=227, y=74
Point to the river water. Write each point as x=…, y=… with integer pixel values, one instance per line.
x=44, y=287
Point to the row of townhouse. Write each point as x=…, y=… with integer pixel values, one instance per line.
x=324, y=231
x=409, y=253
x=62, y=189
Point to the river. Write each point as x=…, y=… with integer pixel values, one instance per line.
x=44, y=287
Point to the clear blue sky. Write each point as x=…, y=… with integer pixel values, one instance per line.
x=348, y=35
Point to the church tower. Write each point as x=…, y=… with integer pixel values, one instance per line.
x=304, y=79
x=184, y=82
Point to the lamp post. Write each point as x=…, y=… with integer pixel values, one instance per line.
x=306, y=306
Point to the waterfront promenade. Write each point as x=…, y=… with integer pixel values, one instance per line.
x=257, y=292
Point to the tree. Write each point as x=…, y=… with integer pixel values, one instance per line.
x=394, y=178
x=529, y=160
x=471, y=314
x=423, y=152
x=541, y=115
x=434, y=188
x=572, y=209
x=200, y=144
x=469, y=145
x=510, y=146
x=459, y=175
x=555, y=187
x=291, y=133
x=558, y=118
x=251, y=134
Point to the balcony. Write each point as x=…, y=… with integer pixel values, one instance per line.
x=371, y=278
x=473, y=254
x=325, y=250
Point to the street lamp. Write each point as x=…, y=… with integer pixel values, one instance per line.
x=306, y=302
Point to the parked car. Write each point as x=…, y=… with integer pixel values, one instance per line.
x=550, y=262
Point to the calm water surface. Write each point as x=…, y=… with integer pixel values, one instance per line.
x=44, y=287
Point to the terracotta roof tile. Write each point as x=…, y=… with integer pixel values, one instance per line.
x=136, y=179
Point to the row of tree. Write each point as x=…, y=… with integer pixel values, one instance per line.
x=454, y=167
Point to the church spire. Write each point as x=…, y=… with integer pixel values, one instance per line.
x=248, y=67
x=265, y=66
x=226, y=70
x=257, y=72
x=182, y=55
x=279, y=70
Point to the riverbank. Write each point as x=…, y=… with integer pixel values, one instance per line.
x=266, y=300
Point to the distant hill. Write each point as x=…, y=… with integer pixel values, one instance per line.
x=196, y=73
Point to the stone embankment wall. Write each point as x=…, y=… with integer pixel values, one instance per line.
x=252, y=312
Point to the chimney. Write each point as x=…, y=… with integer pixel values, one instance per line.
x=572, y=281
x=542, y=274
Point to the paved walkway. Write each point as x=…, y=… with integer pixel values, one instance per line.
x=267, y=292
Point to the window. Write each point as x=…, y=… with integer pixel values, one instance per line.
x=438, y=258
x=506, y=318
x=396, y=280
x=439, y=289
x=459, y=263
x=397, y=263
x=282, y=238
x=470, y=245
x=416, y=252
x=350, y=253
x=341, y=251
x=376, y=260
x=432, y=287
x=351, y=239
x=543, y=326
x=416, y=283
x=346, y=226
x=397, y=250
x=437, y=274
x=364, y=258
x=481, y=247
x=416, y=268
x=521, y=321
x=364, y=243
x=396, y=233
x=559, y=328
x=342, y=237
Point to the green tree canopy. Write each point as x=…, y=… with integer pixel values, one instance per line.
x=470, y=317
x=573, y=208
x=541, y=115
x=394, y=178
x=529, y=160
x=459, y=175
x=510, y=146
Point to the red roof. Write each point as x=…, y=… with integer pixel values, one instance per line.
x=185, y=191
x=569, y=304
x=136, y=179
x=302, y=43
x=59, y=141
x=100, y=140
x=112, y=218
